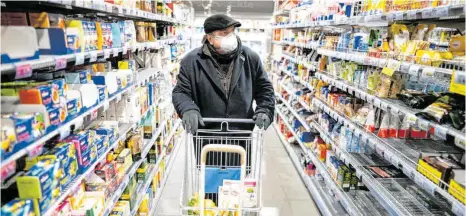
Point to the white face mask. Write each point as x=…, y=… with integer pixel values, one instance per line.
x=228, y=43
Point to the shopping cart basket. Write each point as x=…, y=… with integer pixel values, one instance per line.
x=218, y=156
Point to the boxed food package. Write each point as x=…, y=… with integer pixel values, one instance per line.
x=18, y=207
x=41, y=178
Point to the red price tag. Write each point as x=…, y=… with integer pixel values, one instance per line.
x=60, y=63
x=8, y=170
x=23, y=71
x=94, y=114
x=32, y=153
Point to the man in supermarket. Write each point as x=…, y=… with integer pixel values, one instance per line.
x=221, y=79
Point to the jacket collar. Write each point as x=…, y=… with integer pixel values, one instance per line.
x=209, y=69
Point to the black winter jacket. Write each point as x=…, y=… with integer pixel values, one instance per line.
x=199, y=88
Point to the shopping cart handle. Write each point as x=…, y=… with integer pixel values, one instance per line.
x=229, y=120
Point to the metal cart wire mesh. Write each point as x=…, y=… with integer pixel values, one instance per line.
x=218, y=154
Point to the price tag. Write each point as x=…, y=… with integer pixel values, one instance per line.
x=423, y=124
x=390, y=17
x=106, y=105
x=116, y=51
x=106, y=53
x=440, y=132
x=442, y=11
x=94, y=114
x=382, y=62
x=418, y=179
x=377, y=102
x=429, y=186
x=412, y=119
x=412, y=14
x=392, y=66
x=34, y=152
x=23, y=71
x=414, y=70
x=125, y=50
x=388, y=155
x=427, y=13
x=399, y=16
x=60, y=63
x=384, y=106
x=394, y=110
x=93, y=56
x=428, y=72
x=64, y=132
x=118, y=97
x=79, y=59
x=370, y=98
x=457, y=208
x=395, y=161
x=8, y=170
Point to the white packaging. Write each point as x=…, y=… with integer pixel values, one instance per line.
x=250, y=193
x=112, y=111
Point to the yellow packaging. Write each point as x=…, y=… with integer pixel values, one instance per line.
x=457, y=84
x=79, y=26
x=77, y=197
x=122, y=208
x=144, y=207
x=457, y=43
x=125, y=159
x=428, y=171
x=98, y=28
x=457, y=191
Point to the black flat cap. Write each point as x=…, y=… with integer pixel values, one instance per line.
x=219, y=22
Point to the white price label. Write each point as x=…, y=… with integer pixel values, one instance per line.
x=125, y=50
x=414, y=70
x=106, y=105
x=428, y=72
x=427, y=13
x=370, y=98
x=116, y=51
x=64, y=132
x=399, y=16
x=23, y=71
x=412, y=119
x=79, y=59
x=60, y=63
x=93, y=56
x=118, y=97
x=423, y=124
x=377, y=102
x=384, y=105
x=107, y=53
x=395, y=161
x=429, y=186
x=388, y=155
x=440, y=132
x=394, y=110
x=412, y=15
x=390, y=17
x=442, y=11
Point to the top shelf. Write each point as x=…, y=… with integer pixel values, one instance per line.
x=443, y=13
x=98, y=9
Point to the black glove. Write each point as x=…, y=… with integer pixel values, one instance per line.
x=262, y=120
x=191, y=119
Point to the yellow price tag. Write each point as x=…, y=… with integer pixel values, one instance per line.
x=388, y=71
x=457, y=84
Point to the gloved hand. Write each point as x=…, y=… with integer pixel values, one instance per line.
x=262, y=120
x=191, y=119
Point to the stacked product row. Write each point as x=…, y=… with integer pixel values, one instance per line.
x=54, y=34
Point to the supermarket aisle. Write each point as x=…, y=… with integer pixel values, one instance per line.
x=283, y=189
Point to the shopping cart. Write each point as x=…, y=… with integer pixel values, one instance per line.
x=216, y=155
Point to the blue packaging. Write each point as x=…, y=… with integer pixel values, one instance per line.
x=18, y=207
x=103, y=93
x=78, y=77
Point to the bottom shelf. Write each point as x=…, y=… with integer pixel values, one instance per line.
x=319, y=191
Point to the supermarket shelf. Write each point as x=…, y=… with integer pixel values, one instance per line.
x=125, y=128
x=345, y=200
x=300, y=119
x=397, y=158
x=395, y=106
x=132, y=171
x=282, y=13
x=296, y=78
x=169, y=166
x=144, y=75
x=61, y=128
x=143, y=187
x=442, y=13
x=100, y=9
x=325, y=205
x=59, y=61
x=405, y=67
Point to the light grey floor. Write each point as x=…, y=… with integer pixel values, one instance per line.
x=283, y=190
